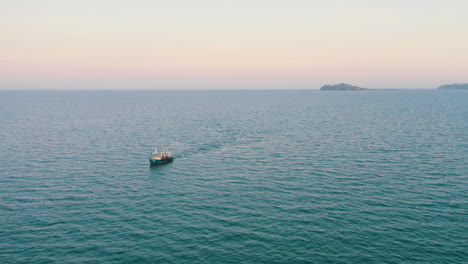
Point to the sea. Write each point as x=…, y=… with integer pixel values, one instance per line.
x=259, y=176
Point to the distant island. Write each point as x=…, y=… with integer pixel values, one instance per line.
x=343, y=87
x=455, y=86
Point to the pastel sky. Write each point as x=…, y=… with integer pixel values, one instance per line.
x=226, y=44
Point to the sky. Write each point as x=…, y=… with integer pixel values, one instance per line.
x=232, y=44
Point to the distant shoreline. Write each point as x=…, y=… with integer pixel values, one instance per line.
x=455, y=86
x=349, y=87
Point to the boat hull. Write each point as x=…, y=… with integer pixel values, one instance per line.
x=154, y=162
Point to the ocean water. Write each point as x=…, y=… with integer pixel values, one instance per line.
x=258, y=177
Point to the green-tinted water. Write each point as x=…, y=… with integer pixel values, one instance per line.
x=259, y=177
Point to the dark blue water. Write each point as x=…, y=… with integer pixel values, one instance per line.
x=259, y=177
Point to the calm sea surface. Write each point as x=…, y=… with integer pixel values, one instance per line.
x=258, y=177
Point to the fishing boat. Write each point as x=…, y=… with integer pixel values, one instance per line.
x=160, y=157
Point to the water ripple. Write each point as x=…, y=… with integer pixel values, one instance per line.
x=259, y=177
